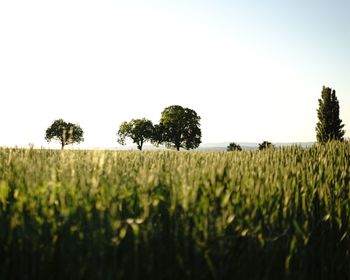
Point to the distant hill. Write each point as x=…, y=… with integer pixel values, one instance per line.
x=248, y=145
x=217, y=147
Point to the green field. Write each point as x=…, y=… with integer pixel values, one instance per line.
x=275, y=214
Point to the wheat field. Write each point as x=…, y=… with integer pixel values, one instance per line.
x=274, y=214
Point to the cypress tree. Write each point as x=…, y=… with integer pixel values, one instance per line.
x=329, y=126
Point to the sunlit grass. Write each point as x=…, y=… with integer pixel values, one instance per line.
x=276, y=214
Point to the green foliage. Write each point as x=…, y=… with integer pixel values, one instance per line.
x=280, y=214
x=265, y=145
x=179, y=128
x=234, y=147
x=65, y=133
x=329, y=126
x=139, y=130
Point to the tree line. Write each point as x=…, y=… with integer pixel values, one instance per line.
x=179, y=127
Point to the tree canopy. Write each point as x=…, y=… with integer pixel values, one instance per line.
x=64, y=132
x=233, y=147
x=329, y=126
x=139, y=130
x=179, y=128
x=265, y=145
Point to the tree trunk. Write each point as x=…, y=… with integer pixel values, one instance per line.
x=62, y=145
x=139, y=146
x=177, y=143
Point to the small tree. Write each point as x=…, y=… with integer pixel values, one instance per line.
x=139, y=130
x=65, y=133
x=329, y=126
x=179, y=128
x=234, y=147
x=265, y=145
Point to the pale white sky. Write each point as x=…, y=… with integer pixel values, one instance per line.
x=253, y=70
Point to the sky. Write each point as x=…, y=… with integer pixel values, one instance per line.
x=252, y=70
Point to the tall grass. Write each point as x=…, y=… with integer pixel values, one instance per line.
x=276, y=214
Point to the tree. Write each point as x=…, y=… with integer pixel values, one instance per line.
x=234, y=147
x=139, y=130
x=65, y=133
x=179, y=128
x=329, y=126
x=265, y=145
